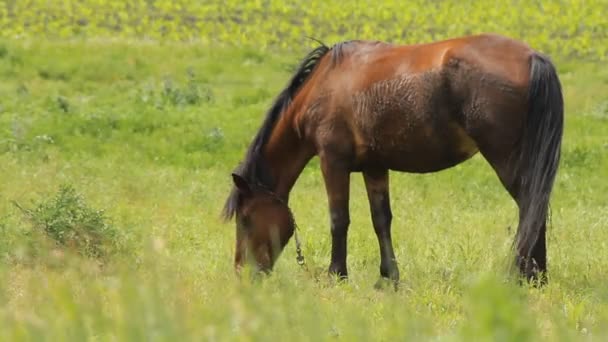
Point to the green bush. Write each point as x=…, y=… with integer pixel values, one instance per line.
x=72, y=224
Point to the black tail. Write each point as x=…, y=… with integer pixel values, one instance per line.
x=539, y=158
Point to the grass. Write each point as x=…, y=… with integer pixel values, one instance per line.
x=148, y=133
x=567, y=27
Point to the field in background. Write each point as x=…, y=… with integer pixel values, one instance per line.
x=576, y=28
x=119, y=127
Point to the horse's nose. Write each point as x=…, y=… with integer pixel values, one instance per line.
x=264, y=262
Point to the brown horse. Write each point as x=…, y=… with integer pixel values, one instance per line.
x=371, y=107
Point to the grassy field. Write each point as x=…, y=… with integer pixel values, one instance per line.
x=115, y=160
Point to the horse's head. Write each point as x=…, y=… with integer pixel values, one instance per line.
x=264, y=225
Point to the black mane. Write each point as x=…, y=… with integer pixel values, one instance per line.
x=252, y=168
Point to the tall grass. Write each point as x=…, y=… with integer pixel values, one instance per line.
x=144, y=136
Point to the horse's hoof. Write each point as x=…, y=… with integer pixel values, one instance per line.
x=337, y=272
x=538, y=279
x=386, y=283
x=338, y=278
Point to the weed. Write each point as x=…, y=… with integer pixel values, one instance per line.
x=68, y=220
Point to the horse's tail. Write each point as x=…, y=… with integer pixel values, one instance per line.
x=539, y=156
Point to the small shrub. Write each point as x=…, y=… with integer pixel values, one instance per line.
x=63, y=104
x=190, y=93
x=68, y=221
x=581, y=157
x=601, y=111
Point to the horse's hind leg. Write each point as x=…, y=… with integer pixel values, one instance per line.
x=506, y=169
x=377, y=186
x=530, y=174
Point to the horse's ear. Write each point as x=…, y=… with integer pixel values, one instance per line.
x=241, y=184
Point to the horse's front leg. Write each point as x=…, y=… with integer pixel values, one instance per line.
x=337, y=183
x=377, y=186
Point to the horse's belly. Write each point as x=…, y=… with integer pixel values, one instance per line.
x=427, y=160
x=409, y=123
x=424, y=148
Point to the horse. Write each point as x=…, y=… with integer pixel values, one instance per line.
x=373, y=107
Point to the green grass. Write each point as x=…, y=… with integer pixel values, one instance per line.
x=150, y=132
x=566, y=27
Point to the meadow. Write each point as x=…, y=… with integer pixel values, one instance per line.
x=120, y=123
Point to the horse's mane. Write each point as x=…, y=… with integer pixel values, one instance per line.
x=252, y=168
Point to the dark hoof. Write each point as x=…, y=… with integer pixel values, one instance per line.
x=537, y=279
x=386, y=283
x=533, y=273
x=339, y=278
x=338, y=272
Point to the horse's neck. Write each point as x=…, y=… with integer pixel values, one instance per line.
x=286, y=155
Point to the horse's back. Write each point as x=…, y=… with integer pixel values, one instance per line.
x=492, y=54
x=416, y=107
